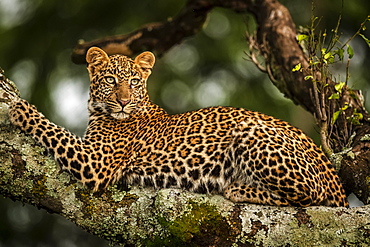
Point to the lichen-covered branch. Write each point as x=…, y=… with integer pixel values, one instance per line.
x=169, y=217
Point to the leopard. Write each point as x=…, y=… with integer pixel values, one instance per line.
x=243, y=155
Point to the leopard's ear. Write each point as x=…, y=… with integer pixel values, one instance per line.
x=146, y=62
x=96, y=59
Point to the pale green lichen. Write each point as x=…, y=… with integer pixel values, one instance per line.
x=326, y=226
x=5, y=171
x=268, y=216
x=336, y=158
x=9, y=141
x=316, y=234
x=331, y=228
x=366, y=137
x=56, y=183
x=117, y=195
x=4, y=119
x=351, y=155
x=144, y=215
x=171, y=199
x=174, y=202
x=71, y=204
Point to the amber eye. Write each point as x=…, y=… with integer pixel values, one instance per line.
x=110, y=79
x=134, y=82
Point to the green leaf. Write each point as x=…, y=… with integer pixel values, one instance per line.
x=297, y=67
x=302, y=37
x=334, y=96
x=345, y=107
x=359, y=115
x=340, y=53
x=339, y=86
x=327, y=55
x=314, y=63
x=335, y=116
x=350, y=51
x=355, y=118
x=308, y=77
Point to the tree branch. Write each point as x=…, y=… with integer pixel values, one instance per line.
x=158, y=37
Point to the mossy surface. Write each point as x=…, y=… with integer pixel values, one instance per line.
x=188, y=219
x=193, y=223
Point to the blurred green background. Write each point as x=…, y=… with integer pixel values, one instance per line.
x=211, y=68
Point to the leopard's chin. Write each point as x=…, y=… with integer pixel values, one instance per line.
x=123, y=113
x=120, y=115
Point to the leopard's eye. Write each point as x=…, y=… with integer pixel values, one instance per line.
x=134, y=81
x=110, y=79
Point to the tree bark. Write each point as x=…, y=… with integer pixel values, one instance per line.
x=174, y=217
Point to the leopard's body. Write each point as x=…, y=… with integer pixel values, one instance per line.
x=244, y=155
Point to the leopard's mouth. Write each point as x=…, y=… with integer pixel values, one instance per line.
x=120, y=115
x=124, y=112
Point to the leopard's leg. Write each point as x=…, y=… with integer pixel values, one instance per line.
x=243, y=192
x=68, y=149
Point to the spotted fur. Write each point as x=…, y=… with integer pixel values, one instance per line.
x=244, y=155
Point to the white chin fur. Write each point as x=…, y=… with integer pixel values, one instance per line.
x=119, y=115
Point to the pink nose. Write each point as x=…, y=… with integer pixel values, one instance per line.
x=124, y=102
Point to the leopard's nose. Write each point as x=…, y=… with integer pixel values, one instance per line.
x=124, y=102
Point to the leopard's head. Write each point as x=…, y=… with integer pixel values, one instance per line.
x=118, y=83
